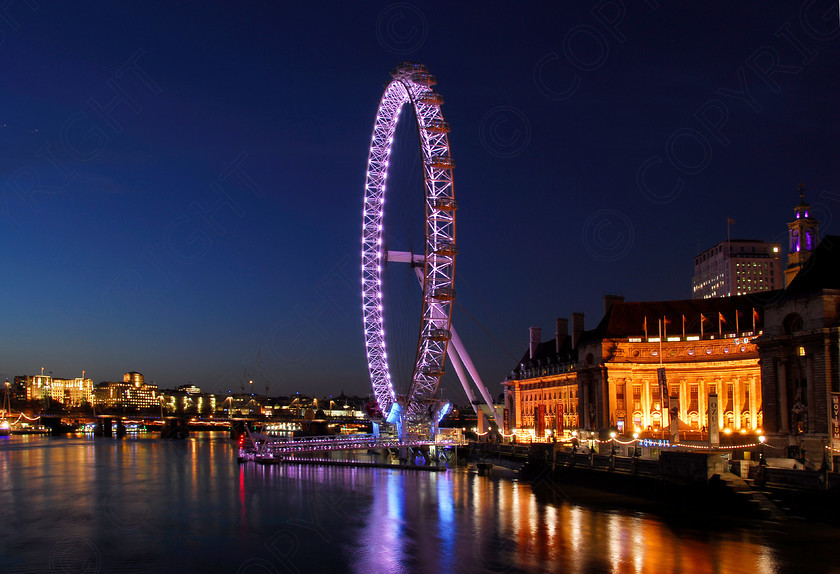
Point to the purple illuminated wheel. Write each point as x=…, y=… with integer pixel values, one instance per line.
x=411, y=84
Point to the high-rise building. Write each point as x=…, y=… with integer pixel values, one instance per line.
x=737, y=267
x=803, y=236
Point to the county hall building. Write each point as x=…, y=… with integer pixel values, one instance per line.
x=771, y=357
x=606, y=377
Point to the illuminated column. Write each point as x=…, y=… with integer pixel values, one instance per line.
x=684, y=398
x=517, y=405
x=753, y=404
x=701, y=402
x=812, y=401
x=584, y=416
x=646, y=404
x=722, y=396
x=736, y=401
x=781, y=385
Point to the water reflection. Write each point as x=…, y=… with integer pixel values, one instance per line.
x=143, y=504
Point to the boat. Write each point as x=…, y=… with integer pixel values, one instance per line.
x=5, y=427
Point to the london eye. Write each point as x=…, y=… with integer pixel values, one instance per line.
x=411, y=85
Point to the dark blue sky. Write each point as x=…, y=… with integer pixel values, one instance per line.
x=181, y=184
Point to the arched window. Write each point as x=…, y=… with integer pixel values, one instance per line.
x=694, y=420
x=656, y=419
x=794, y=241
x=745, y=420
x=791, y=323
x=809, y=240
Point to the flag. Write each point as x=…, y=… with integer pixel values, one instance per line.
x=721, y=318
x=721, y=321
x=645, y=326
x=665, y=322
x=730, y=221
x=755, y=318
x=702, y=320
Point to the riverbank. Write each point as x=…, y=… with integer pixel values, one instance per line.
x=696, y=486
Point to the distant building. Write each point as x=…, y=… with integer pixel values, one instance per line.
x=133, y=392
x=72, y=392
x=133, y=377
x=38, y=387
x=188, y=399
x=737, y=267
x=803, y=236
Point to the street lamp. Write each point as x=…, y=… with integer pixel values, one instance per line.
x=761, y=460
x=612, y=443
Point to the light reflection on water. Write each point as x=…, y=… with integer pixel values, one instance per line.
x=149, y=505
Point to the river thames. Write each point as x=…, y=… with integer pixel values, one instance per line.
x=143, y=504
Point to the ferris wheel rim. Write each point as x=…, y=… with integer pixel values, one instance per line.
x=411, y=85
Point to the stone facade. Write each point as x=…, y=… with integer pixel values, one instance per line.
x=800, y=358
x=607, y=377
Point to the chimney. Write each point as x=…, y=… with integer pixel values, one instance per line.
x=535, y=340
x=610, y=299
x=577, y=328
x=562, y=333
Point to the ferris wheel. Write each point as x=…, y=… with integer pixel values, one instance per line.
x=411, y=84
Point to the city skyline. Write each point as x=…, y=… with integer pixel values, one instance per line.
x=182, y=189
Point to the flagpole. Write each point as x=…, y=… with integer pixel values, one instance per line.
x=683, y=327
x=720, y=324
x=701, y=326
x=729, y=254
x=737, y=328
x=660, y=342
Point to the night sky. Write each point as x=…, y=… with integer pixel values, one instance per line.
x=182, y=182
